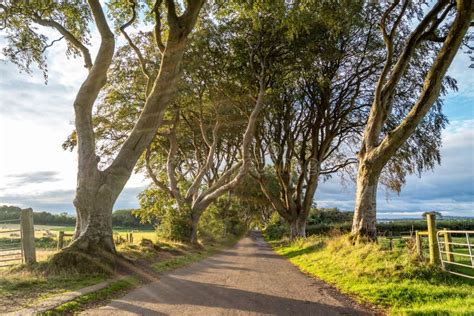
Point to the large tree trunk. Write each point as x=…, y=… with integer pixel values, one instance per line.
x=96, y=235
x=195, y=216
x=297, y=227
x=94, y=201
x=364, y=222
x=92, y=248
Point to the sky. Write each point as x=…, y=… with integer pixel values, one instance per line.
x=36, y=172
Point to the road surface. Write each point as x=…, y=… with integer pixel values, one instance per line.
x=249, y=279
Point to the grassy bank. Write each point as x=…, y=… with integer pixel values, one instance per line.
x=25, y=287
x=18, y=289
x=393, y=280
x=113, y=290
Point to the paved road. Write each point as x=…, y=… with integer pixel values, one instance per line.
x=249, y=279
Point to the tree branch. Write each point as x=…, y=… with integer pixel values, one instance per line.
x=130, y=42
x=68, y=36
x=152, y=175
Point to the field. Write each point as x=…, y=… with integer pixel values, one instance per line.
x=47, y=239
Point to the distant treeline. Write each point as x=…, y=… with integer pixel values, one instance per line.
x=324, y=220
x=395, y=227
x=120, y=218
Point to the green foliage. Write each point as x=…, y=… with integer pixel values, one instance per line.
x=172, y=222
x=127, y=219
x=39, y=218
x=26, y=45
x=120, y=218
x=320, y=221
x=325, y=220
x=329, y=216
x=225, y=217
x=395, y=280
x=276, y=227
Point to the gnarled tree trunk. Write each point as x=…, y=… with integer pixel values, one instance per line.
x=195, y=216
x=363, y=225
x=297, y=227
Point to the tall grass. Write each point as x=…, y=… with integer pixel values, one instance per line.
x=396, y=281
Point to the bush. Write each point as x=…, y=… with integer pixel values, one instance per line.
x=276, y=227
x=157, y=208
x=221, y=219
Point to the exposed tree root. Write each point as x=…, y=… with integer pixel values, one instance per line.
x=76, y=261
x=360, y=238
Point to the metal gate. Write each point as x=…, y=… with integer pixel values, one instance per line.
x=11, y=252
x=456, y=248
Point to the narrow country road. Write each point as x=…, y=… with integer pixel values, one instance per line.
x=249, y=279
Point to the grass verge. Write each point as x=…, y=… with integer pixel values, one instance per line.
x=191, y=254
x=83, y=301
x=182, y=255
x=394, y=280
x=25, y=287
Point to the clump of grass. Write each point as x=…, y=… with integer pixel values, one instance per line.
x=395, y=280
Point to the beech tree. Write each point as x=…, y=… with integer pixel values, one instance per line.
x=315, y=113
x=442, y=30
x=203, y=151
x=97, y=189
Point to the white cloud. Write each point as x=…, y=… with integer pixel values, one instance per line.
x=449, y=188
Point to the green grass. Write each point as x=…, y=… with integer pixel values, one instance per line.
x=80, y=303
x=394, y=280
x=26, y=287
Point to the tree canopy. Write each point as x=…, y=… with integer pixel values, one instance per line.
x=238, y=109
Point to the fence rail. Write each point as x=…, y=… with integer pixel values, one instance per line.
x=11, y=250
x=453, y=253
x=17, y=245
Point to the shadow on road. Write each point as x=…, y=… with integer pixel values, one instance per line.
x=192, y=294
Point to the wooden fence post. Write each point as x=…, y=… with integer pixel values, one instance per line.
x=61, y=240
x=447, y=246
x=28, y=236
x=433, y=242
x=419, y=247
x=390, y=239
